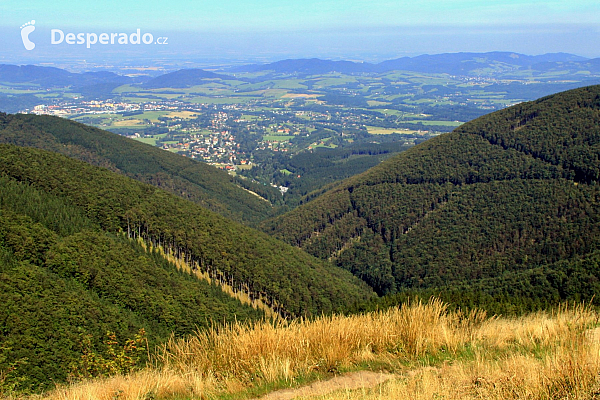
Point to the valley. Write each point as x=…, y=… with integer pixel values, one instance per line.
x=227, y=234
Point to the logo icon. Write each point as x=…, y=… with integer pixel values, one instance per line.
x=26, y=29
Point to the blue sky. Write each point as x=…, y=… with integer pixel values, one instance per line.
x=369, y=30
x=265, y=15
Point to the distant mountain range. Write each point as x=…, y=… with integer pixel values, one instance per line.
x=89, y=84
x=451, y=63
x=56, y=77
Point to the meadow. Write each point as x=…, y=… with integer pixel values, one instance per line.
x=430, y=353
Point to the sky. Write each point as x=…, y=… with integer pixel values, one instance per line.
x=236, y=31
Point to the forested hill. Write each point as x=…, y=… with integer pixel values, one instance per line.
x=72, y=268
x=195, y=181
x=511, y=194
x=183, y=78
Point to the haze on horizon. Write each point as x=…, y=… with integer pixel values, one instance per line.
x=267, y=30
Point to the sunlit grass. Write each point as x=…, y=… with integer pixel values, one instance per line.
x=435, y=354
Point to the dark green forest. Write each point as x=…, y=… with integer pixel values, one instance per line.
x=310, y=171
x=63, y=279
x=509, y=197
x=71, y=272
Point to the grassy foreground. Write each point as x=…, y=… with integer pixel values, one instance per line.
x=435, y=354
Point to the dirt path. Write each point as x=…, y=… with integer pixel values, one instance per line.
x=352, y=380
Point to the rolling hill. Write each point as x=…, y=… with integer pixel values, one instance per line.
x=309, y=66
x=85, y=251
x=48, y=77
x=195, y=181
x=474, y=63
x=183, y=78
x=504, y=208
x=97, y=84
x=448, y=63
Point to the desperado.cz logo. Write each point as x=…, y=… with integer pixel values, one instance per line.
x=89, y=39
x=26, y=29
x=57, y=37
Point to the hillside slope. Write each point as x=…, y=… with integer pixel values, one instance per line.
x=70, y=267
x=301, y=283
x=507, y=193
x=65, y=281
x=195, y=181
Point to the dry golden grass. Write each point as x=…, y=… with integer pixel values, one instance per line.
x=565, y=373
x=439, y=354
x=279, y=350
x=550, y=357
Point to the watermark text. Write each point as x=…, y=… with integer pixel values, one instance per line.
x=90, y=39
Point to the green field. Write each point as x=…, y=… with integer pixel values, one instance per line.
x=220, y=100
x=374, y=130
x=277, y=138
x=151, y=141
x=136, y=99
x=289, y=84
x=327, y=146
x=434, y=123
x=12, y=90
x=247, y=117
